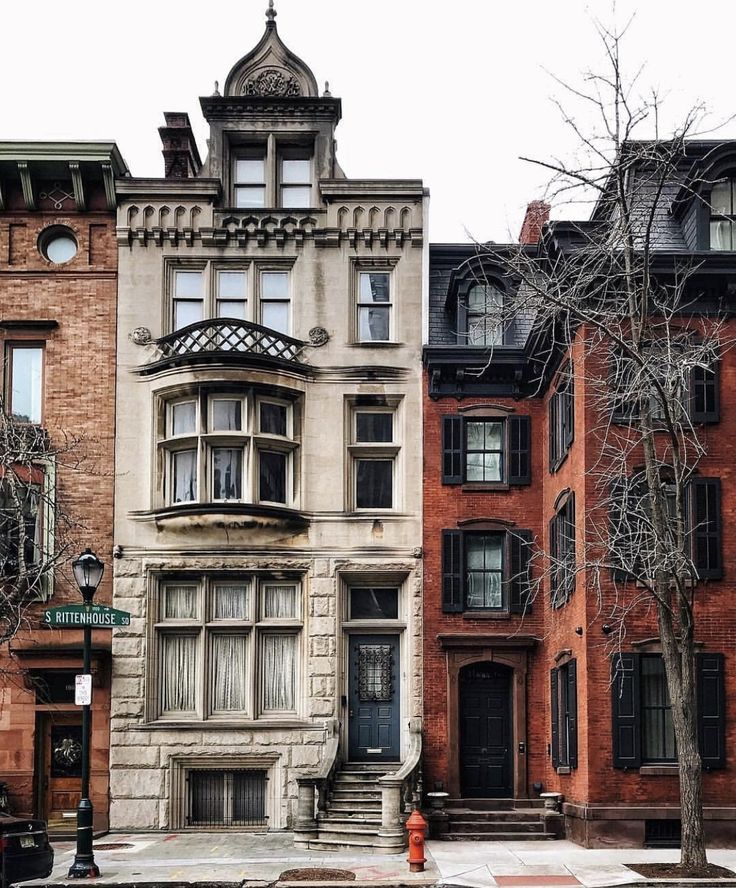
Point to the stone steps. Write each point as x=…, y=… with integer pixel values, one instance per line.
x=498, y=837
x=496, y=820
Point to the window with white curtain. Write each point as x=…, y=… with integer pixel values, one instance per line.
x=221, y=446
x=228, y=648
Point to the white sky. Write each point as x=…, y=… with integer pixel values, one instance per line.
x=451, y=93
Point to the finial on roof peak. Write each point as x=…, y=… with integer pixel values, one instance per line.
x=217, y=89
x=327, y=89
x=270, y=14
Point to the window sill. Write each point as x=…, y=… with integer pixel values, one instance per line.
x=564, y=769
x=659, y=770
x=217, y=724
x=378, y=344
x=553, y=469
x=486, y=615
x=484, y=486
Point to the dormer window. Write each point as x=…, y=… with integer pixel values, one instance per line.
x=250, y=179
x=272, y=174
x=483, y=307
x=723, y=215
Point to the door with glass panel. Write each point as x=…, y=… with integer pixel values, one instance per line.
x=373, y=716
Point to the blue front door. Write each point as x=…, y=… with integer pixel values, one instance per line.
x=373, y=720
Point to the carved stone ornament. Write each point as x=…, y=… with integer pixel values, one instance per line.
x=318, y=336
x=272, y=82
x=141, y=336
x=68, y=752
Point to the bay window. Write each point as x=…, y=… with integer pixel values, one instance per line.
x=227, y=647
x=226, y=446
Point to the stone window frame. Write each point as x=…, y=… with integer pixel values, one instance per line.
x=380, y=265
x=249, y=438
x=272, y=148
x=255, y=627
x=356, y=451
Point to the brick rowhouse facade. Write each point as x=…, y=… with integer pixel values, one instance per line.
x=58, y=290
x=612, y=793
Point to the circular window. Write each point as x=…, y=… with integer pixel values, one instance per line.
x=58, y=244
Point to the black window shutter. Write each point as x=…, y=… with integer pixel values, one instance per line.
x=520, y=468
x=568, y=405
x=452, y=571
x=626, y=723
x=518, y=584
x=620, y=537
x=552, y=426
x=711, y=706
x=705, y=400
x=554, y=571
x=704, y=514
x=452, y=450
x=554, y=699
x=572, y=711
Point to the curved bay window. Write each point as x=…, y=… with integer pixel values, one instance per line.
x=723, y=215
x=227, y=447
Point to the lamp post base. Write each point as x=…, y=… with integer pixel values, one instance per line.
x=84, y=866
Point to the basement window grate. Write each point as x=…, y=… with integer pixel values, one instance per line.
x=226, y=798
x=662, y=833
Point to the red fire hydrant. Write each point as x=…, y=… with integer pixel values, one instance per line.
x=417, y=827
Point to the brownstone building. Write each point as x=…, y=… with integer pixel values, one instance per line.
x=58, y=291
x=525, y=697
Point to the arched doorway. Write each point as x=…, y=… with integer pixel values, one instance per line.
x=486, y=731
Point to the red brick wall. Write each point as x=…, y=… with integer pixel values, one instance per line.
x=78, y=403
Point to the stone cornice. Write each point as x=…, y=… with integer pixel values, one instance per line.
x=381, y=189
x=167, y=189
x=88, y=152
x=266, y=108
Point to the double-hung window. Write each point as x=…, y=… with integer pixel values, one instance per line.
x=227, y=647
x=486, y=570
x=275, y=300
x=561, y=419
x=564, y=716
x=374, y=306
x=483, y=315
x=24, y=381
x=227, y=446
x=479, y=449
x=723, y=215
x=562, y=552
x=374, y=451
x=643, y=732
x=249, y=178
x=295, y=179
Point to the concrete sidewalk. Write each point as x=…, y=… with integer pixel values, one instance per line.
x=236, y=858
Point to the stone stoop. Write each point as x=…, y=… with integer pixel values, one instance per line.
x=495, y=820
x=353, y=811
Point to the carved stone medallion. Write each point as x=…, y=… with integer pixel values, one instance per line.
x=141, y=336
x=272, y=82
x=318, y=336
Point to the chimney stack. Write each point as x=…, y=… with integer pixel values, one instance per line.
x=181, y=155
x=537, y=214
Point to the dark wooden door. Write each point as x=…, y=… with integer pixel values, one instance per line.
x=62, y=779
x=373, y=718
x=485, y=731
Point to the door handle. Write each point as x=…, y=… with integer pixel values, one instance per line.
x=484, y=752
x=350, y=713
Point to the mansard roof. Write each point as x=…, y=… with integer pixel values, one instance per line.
x=271, y=69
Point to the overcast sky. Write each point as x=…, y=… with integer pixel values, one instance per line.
x=450, y=92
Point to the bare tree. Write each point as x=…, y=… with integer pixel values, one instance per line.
x=36, y=532
x=629, y=322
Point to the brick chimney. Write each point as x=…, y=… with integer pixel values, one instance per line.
x=537, y=213
x=181, y=155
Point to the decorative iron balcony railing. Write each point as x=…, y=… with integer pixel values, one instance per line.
x=225, y=338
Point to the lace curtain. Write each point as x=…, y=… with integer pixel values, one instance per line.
x=178, y=673
x=278, y=668
x=180, y=603
x=231, y=601
x=228, y=673
x=279, y=602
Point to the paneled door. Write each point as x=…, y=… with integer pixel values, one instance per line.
x=485, y=731
x=62, y=777
x=373, y=718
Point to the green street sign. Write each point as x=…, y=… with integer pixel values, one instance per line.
x=77, y=616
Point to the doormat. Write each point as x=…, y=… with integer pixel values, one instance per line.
x=317, y=874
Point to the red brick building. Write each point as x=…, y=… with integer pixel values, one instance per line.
x=58, y=294
x=521, y=696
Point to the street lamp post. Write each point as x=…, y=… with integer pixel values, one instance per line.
x=88, y=570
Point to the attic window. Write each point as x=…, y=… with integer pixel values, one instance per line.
x=723, y=215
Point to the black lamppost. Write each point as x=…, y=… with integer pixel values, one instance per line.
x=88, y=570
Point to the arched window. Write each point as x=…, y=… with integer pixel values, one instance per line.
x=723, y=215
x=483, y=312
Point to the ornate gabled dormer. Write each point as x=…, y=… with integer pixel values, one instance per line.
x=271, y=133
x=271, y=69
